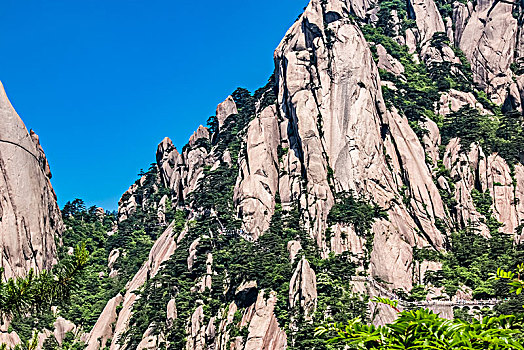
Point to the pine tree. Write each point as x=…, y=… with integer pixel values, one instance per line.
x=36, y=292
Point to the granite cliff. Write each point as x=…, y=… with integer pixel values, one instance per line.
x=389, y=137
x=30, y=219
x=332, y=129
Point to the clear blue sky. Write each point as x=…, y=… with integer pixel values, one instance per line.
x=104, y=81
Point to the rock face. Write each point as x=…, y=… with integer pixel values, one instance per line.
x=338, y=126
x=62, y=326
x=29, y=215
x=225, y=109
x=264, y=332
x=161, y=251
x=489, y=35
x=181, y=171
x=103, y=330
x=326, y=127
x=303, y=289
x=258, y=179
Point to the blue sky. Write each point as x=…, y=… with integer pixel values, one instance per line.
x=104, y=81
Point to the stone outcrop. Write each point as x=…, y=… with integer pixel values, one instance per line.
x=257, y=182
x=387, y=62
x=293, y=247
x=11, y=339
x=488, y=34
x=257, y=320
x=453, y=100
x=103, y=328
x=62, y=327
x=225, y=109
x=428, y=20
x=460, y=165
x=476, y=171
x=30, y=219
x=196, y=330
x=303, y=289
x=160, y=252
x=264, y=332
x=180, y=171
x=149, y=340
x=519, y=200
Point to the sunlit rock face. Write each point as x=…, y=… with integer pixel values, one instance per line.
x=329, y=91
x=30, y=219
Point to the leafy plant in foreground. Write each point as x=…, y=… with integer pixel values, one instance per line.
x=423, y=329
x=513, y=278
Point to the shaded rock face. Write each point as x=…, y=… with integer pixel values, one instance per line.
x=489, y=174
x=303, y=288
x=102, y=332
x=264, y=332
x=181, y=171
x=29, y=215
x=428, y=20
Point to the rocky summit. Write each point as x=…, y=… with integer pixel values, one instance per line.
x=384, y=157
x=30, y=219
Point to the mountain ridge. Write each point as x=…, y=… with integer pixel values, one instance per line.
x=387, y=143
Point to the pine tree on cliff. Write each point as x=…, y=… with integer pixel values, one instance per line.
x=39, y=291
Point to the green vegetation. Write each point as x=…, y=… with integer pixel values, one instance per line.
x=471, y=258
x=27, y=301
x=501, y=133
x=90, y=293
x=234, y=259
x=514, y=279
x=470, y=261
x=423, y=329
x=93, y=292
x=351, y=210
x=415, y=94
x=354, y=211
x=101, y=233
x=133, y=237
x=140, y=230
x=237, y=260
x=449, y=75
x=385, y=20
x=215, y=233
x=417, y=91
x=336, y=301
x=37, y=292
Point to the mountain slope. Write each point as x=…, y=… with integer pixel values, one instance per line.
x=354, y=159
x=385, y=155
